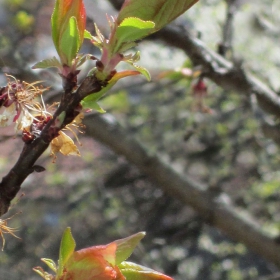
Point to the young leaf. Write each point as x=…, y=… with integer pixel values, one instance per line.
x=50, y=263
x=42, y=273
x=67, y=247
x=95, y=106
x=161, y=12
x=133, y=271
x=90, y=101
x=96, y=263
x=143, y=71
x=61, y=19
x=126, y=246
x=56, y=21
x=87, y=35
x=47, y=63
x=132, y=29
x=70, y=41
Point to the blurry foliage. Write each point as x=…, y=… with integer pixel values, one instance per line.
x=23, y=21
x=102, y=197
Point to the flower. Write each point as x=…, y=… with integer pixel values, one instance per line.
x=4, y=228
x=20, y=103
x=63, y=143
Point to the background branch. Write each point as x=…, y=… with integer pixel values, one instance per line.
x=221, y=71
x=216, y=210
x=228, y=28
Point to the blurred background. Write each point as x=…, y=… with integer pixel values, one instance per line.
x=215, y=139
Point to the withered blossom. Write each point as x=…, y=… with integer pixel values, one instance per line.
x=4, y=228
x=20, y=102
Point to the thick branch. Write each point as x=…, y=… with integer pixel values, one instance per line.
x=215, y=210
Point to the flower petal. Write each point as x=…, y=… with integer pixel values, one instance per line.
x=64, y=144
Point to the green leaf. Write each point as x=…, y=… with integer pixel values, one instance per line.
x=68, y=24
x=126, y=46
x=126, y=246
x=132, y=29
x=87, y=35
x=132, y=271
x=67, y=247
x=94, y=106
x=50, y=263
x=143, y=71
x=47, y=63
x=56, y=24
x=161, y=12
x=70, y=42
x=90, y=102
x=40, y=271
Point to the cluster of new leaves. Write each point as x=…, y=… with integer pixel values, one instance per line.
x=136, y=20
x=100, y=262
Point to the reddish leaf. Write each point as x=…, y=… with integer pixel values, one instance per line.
x=97, y=262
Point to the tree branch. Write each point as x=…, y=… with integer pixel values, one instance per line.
x=228, y=27
x=70, y=101
x=217, y=211
x=221, y=71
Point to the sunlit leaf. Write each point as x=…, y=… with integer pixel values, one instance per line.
x=42, y=273
x=133, y=271
x=47, y=63
x=126, y=246
x=70, y=41
x=67, y=247
x=132, y=29
x=161, y=12
x=95, y=106
x=97, y=262
x=143, y=71
x=50, y=263
x=39, y=270
x=87, y=34
x=90, y=101
x=63, y=25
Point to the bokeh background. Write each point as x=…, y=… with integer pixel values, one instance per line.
x=102, y=196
